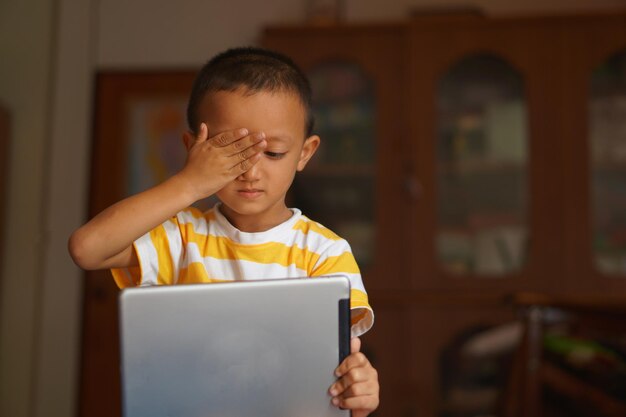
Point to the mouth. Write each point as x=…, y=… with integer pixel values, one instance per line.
x=250, y=192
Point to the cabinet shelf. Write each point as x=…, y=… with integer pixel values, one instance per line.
x=481, y=166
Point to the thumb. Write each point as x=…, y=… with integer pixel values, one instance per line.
x=203, y=134
x=355, y=345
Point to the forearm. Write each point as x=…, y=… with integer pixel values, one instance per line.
x=101, y=242
x=106, y=241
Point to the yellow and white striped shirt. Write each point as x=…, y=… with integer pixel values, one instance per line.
x=196, y=247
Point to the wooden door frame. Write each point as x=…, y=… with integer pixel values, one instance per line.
x=5, y=132
x=100, y=394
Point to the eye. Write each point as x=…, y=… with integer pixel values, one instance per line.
x=274, y=155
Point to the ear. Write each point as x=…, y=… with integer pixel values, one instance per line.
x=308, y=150
x=188, y=139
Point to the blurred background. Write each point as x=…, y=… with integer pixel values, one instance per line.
x=474, y=156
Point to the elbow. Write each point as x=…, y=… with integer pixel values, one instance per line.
x=78, y=248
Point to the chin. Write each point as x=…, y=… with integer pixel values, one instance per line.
x=245, y=208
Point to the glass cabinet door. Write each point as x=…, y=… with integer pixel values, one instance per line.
x=607, y=135
x=337, y=187
x=482, y=148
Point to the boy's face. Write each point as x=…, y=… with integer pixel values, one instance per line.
x=255, y=200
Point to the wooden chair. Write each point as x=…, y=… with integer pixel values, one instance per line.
x=531, y=372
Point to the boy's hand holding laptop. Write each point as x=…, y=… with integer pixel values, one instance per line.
x=357, y=387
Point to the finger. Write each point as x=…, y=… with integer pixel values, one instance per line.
x=203, y=133
x=360, y=389
x=244, y=166
x=339, y=387
x=244, y=143
x=228, y=137
x=354, y=376
x=354, y=360
x=355, y=345
x=250, y=152
x=365, y=402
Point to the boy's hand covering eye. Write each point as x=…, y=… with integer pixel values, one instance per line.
x=212, y=162
x=357, y=388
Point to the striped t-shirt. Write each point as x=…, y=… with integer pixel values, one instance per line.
x=196, y=247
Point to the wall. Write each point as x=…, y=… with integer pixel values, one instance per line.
x=66, y=180
x=373, y=9
x=26, y=51
x=50, y=52
x=185, y=33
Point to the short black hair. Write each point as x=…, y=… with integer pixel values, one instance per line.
x=255, y=69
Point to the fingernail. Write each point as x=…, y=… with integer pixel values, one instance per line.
x=333, y=392
x=242, y=132
x=337, y=372
x=259, y=135
x=335, y=401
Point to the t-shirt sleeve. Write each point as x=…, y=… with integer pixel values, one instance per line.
x=159, y=253
x=337, y=260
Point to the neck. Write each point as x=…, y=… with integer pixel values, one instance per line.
x=258, y=222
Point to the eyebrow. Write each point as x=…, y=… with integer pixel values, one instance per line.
x=283, y=139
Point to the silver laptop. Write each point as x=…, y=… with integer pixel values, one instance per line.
x=253, y=348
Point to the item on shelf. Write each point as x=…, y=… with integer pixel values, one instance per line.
x=506, y=131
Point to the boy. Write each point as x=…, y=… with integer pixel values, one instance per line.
x=251, y=122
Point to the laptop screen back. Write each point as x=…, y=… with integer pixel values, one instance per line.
x=254, y=348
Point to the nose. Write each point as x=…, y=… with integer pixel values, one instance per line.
x=251, y=175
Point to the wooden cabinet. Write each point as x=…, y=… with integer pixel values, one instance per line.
x=487, y=178
x=595, y=52
x=376, y=56
x=337, y=60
